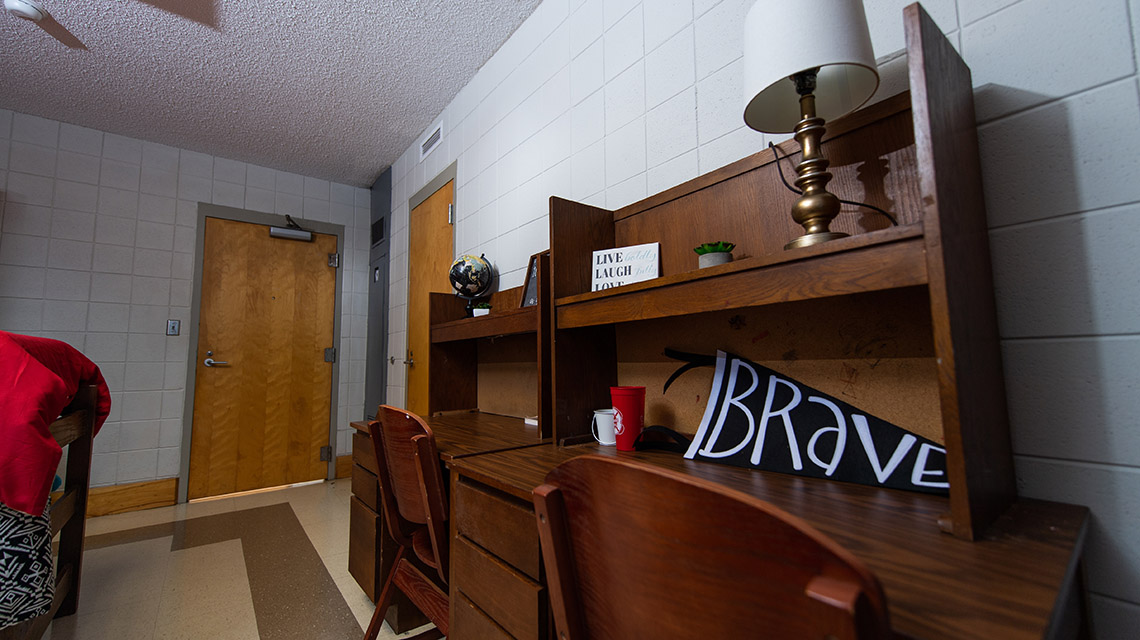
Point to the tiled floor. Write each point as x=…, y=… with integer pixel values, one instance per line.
x=271, y=565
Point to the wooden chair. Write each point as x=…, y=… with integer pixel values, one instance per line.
x=633, y=551
x=74, y=429
x=415, y=508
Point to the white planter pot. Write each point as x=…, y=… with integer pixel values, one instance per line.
x=480, y=312
x=712, y=259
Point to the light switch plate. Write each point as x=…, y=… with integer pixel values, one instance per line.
x=172, y=327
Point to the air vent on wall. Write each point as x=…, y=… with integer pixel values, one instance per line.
x=377, y=231
x=432, y=141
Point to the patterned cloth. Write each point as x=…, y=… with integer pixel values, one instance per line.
x=26, y=570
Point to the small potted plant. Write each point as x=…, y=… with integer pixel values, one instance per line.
x=714, y=253
x=481, y=309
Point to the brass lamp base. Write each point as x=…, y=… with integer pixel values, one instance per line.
x=809, y=239
x=816, y=207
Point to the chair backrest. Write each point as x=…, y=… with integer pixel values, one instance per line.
x=637, y=551
x=411, y=484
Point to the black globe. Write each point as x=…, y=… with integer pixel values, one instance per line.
x=471, y=276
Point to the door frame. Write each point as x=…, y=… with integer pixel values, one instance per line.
x=428, y=190
x=207, y=210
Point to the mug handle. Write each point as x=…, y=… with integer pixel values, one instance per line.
x=594, y=428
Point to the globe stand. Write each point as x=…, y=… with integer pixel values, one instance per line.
x=470, y=308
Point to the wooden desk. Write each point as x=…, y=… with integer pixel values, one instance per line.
x=466, y=433
x=1021, y=580
x=371, y=549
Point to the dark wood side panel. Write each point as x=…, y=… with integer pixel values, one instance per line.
x=584, y=360
x=580, y=230
x=500, y=524
x=978, y=455
x=515, y=602
x=545, y=339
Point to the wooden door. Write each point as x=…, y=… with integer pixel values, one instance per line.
x=267, y=312
x=430, y=253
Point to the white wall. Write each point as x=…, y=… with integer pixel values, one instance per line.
x=608, y=101
x=97, y=237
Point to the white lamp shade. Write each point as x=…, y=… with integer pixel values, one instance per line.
x=785, y=37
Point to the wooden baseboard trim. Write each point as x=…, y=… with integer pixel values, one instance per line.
x=121, y=498
x=343, y=466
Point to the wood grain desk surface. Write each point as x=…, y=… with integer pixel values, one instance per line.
x=1006, y=585
x=467, y=433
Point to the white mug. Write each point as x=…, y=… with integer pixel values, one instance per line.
x=603, y=427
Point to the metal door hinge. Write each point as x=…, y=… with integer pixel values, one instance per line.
x=334, y=260
x=451, y=214
x=326, y=454
x=330, y=354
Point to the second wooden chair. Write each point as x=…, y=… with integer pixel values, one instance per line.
x=415, y=510
x=634, y=551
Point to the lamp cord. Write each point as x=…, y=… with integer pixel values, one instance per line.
x=776, y=151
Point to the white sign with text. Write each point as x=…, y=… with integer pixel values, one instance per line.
x=615, y=267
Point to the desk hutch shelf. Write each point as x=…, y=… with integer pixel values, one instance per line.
x=926, y=282
x=498, y=363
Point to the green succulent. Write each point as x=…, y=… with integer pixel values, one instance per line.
x=482, y=305
x=714, y=247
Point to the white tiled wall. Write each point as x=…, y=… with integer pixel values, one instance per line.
x=608, y=101
x=97, y=237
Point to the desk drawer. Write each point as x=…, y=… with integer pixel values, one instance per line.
x=470, y=623
x=362, y=453
x=511, y=599
x=500, y=524
x=363, y=527
x=365, y=487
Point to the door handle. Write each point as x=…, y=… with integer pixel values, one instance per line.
x=211, y=362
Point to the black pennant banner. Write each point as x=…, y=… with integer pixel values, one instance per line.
x=758, y=418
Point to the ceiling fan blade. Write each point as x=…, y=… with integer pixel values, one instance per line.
x=60, y=32
x=201, y=11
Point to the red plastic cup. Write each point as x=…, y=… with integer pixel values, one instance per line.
x=629, y=415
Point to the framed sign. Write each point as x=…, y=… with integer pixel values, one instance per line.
x=624, y=265
x=530, y=285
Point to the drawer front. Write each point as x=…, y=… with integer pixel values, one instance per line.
x=500, y=524
x=362, y=453
x=514, y=601
x=363, y=525
x=470, y=623
x=364, y=487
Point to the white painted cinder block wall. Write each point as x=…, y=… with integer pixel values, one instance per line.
x=608, y=101
x=97, y=236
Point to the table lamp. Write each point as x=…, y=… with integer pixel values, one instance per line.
x=805, y=63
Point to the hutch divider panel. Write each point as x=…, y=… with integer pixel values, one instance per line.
x=915, y=155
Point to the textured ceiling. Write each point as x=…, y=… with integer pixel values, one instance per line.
x=334, y=90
